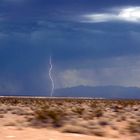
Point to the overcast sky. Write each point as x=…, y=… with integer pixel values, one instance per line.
x=92, y=42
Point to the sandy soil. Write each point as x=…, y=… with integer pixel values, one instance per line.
x=15, y=133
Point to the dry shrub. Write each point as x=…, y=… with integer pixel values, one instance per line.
x=93, y=105
x=10, y=124
x=98, y=132
x=133, y=127
x=116, y=108
x=98, y=113
x=104, y=122
x=3, y=111
x=114, y=127
x=55, y=115
x=19, y=111
x=82, y=123
x=78, y=110
x=74, y=129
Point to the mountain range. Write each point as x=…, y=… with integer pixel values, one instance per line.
x=107, y=92
x=100, y=92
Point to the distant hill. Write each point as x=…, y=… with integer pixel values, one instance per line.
x=107, y=92
x=100, y=91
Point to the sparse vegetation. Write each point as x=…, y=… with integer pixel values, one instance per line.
x=134, y=127
x=82, y=116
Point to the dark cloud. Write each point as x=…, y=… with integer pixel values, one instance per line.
x=31, y=31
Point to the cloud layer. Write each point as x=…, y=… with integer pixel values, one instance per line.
x=83, y=53
x=126, y=14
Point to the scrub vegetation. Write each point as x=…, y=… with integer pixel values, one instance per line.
x=98, y=117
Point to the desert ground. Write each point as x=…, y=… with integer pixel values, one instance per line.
x=69, y=119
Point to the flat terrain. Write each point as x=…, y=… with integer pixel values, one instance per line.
x=69, y=119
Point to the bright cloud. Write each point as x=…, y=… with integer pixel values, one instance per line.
x=126, y=14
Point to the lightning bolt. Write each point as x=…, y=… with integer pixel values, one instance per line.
x=51, y=78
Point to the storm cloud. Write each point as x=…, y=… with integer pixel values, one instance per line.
x=83, y=53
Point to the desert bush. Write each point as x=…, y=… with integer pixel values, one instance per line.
x=93, y=105
x=55, y=115
x=74, y=129
x=78, y=110
x=133, y=127
x=103, y=122
x=10, y=124
x=98, y=113
x=3, y=111
x=98, y=132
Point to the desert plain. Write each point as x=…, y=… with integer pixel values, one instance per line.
x=69, y=119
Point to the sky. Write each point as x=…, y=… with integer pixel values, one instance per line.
x=91, y=42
